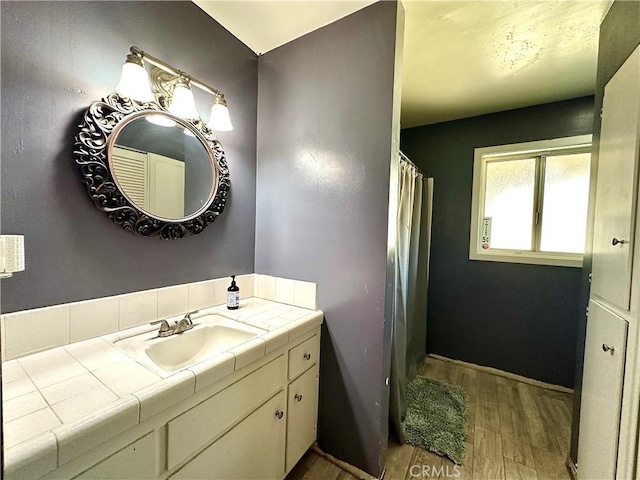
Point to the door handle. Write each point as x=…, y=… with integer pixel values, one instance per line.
x=615, y=242
x=607, y=348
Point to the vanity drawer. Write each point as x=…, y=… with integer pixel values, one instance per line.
x=198, y=426
x=303, y=356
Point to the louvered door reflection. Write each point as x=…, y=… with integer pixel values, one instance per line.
x=132, y=171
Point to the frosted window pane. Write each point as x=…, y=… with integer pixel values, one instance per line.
x=564, y=207
x=509, y=203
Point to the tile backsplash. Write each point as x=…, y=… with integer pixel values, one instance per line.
x=284, y=290
x=31, y=331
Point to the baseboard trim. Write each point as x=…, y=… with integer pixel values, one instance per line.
x=573, y=469
x=355, y=471
x=501, y=373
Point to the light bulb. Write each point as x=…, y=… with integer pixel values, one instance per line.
x=160, y=120
x=182, y=104
x=134, y=81
x=219, y=119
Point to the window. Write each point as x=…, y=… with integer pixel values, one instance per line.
x=530, y=202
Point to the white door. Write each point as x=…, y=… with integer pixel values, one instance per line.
x=130, y=168
x=604, y=356
x=253, y=449
x=303, y=413
x=166, y=186
x=616, y=187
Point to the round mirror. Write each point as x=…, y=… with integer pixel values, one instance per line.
x=152, y=173
x=162, y=165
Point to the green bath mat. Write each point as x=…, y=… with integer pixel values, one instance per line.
x=436, y=418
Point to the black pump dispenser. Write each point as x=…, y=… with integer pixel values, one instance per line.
x=233, y=295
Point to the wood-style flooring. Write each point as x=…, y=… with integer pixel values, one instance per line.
x=516, y=431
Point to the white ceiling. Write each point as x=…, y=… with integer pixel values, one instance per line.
x=461, y=58
x=263, y=25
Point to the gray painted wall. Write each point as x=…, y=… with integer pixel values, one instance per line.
x=515, y=317
x=325, y=108
x=57, y=58
x=619, y=37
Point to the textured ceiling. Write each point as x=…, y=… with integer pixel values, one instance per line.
x=461, y=58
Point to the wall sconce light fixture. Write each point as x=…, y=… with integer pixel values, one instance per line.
x=171, y=89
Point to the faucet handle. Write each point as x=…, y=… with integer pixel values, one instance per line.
x=164, y=326
x=187, y=316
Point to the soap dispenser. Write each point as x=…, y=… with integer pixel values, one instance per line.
x=233, y=295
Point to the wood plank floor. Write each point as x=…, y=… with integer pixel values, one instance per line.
x=516, y=431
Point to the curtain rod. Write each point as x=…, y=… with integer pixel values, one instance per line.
x=406, y=159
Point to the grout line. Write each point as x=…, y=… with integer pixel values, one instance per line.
x=69, y=323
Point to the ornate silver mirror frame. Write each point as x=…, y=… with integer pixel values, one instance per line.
x=91, y=152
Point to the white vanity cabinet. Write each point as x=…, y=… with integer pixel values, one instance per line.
x=255, y=423
x=277, y=406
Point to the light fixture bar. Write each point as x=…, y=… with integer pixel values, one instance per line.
x=174, y=71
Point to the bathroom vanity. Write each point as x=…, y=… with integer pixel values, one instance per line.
x=240, y=410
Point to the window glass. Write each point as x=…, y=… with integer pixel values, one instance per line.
x=565, y=202
x=509, y=199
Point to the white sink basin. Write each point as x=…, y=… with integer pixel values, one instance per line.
x=211, y=335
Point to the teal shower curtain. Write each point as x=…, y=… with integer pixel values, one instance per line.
x=409, y=321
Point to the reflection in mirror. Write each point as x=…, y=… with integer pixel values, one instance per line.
x=162, y=166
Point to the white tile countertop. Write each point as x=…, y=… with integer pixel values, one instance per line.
x=61, y=403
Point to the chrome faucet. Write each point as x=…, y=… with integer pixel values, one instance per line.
x=183, y=325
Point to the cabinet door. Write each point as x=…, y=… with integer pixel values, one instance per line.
x=303, y=414
x=135, y=461
x=253, y=449
x=616, y=185
x=601, y=393
x=196, y=427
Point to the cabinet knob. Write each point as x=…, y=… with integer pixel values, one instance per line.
x=607, y=348
x=615, y=242
x=307, y=356
x=279, y=414
x=298, y=397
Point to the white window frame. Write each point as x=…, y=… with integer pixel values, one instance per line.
x=524, y=150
